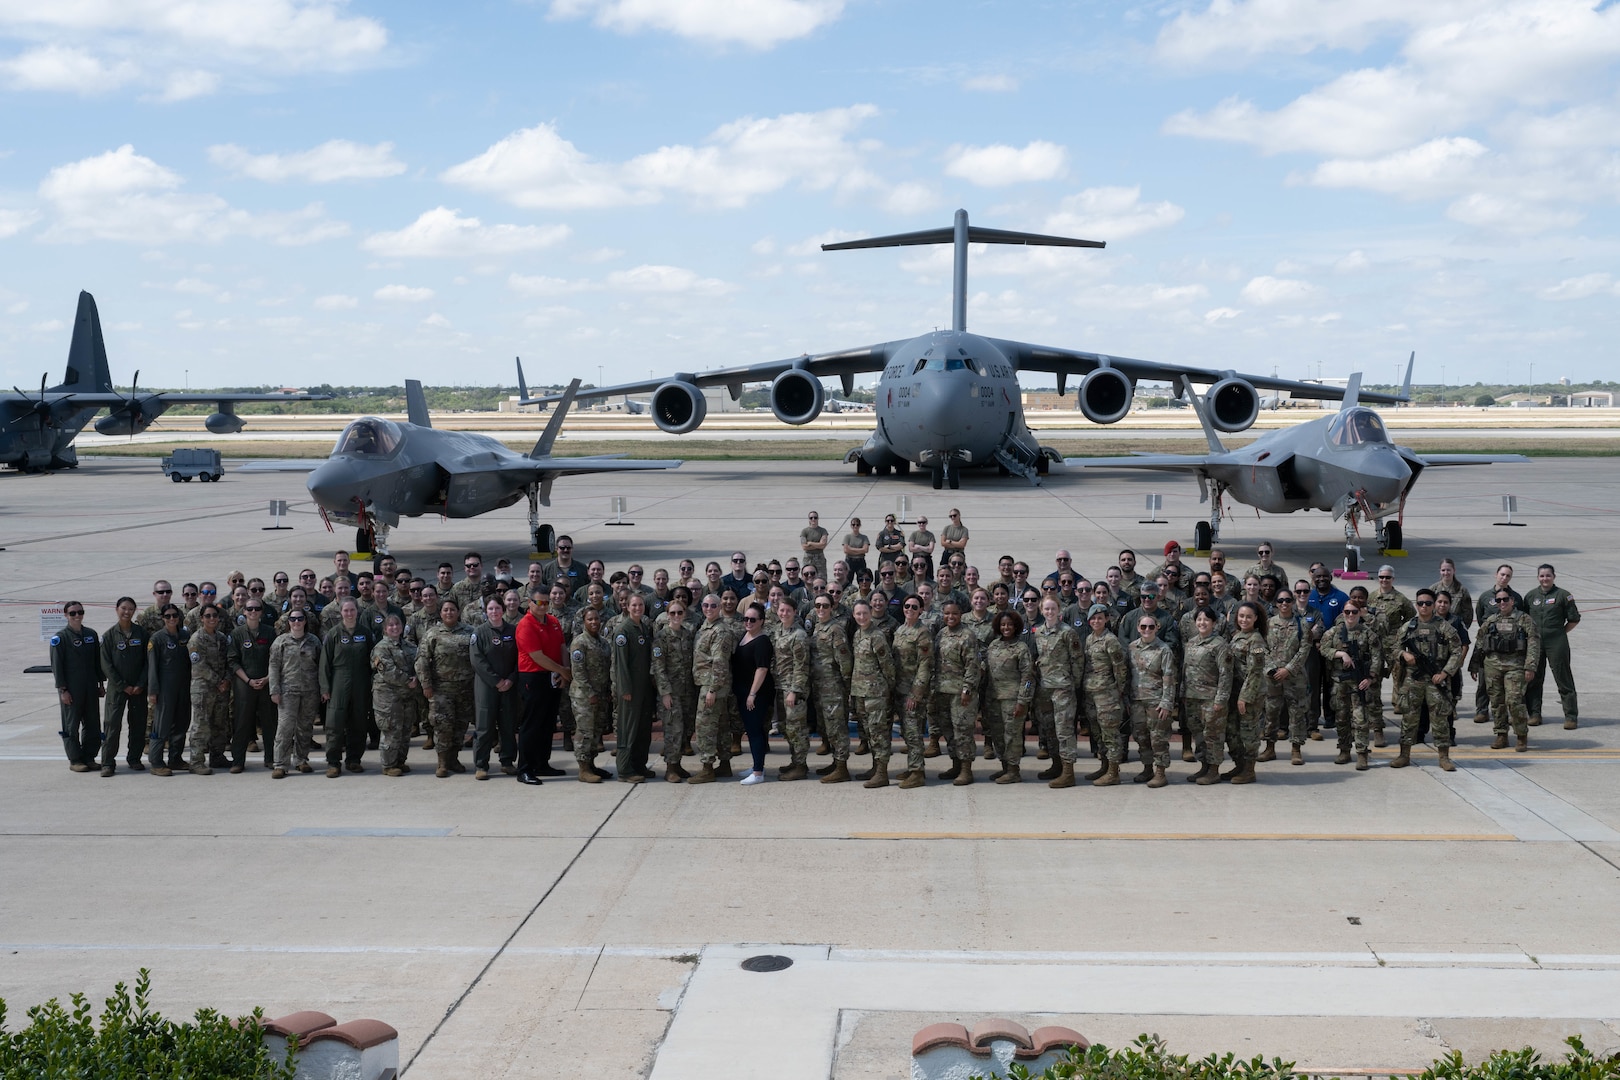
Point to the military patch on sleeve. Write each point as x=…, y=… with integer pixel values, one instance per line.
x=195, y=657
x=657, y=652
x=56, y=640
x=619, y=640
x=579, y=654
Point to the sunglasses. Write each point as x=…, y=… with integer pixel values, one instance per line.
x=1386, y=577
x=281, y=581
x=255, y=588
x=162, y=592
x=1425, y=603
x=1302, y=592
x=750, y=618
x=74, y=614
x=205, y=592
x=306, y=577
x=250, y=607
x=565, y=550
x=172, y=615
x=635, y=573
x=295, y=618
x=1504, y=599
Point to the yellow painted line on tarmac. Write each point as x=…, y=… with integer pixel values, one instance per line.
x=1381, y=837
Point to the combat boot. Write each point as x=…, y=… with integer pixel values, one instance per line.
x=1245, y=775
x=1270, y=751
x=673, y=777
x=1444, y=753
x=839, y=774
x=444, y=766
x=453, y=759
x=1297, y=756
x=1041, y=753
x=427, y=743
x=1524, y=744
x=278, y=773
x=108, y=770
x=1107, y=779
x=1065, y=776
x=953, y=772
x=332, y=772
x=796, y=771
x=736, y=745
x=1500, y=743
x=913, y=779
x=1571, y=723
x=862, y=747
x=704, y=775
x=827, y=768
x=723, y=768
x=1404, y=758
x=1102, y=767
x=965, y=776
x=686, y=749
x=1146, y=774
x=392, y=771
x=867, y=775
x=481, y=774
x=1203, y=771
x=217, y=760
x=1159, y=779
x=932, y=749
x=1344, y=754
x=1362, y=764
x=825, y=749
x=201, y=767
x=1210, y=775
x=1535, y=720
x=1378, y=737
x=1051, y=771
x=1012, y=774
x=1237, y=767
x=880, y=775
x=238, y=768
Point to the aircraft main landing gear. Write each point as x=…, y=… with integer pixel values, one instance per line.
x=1389, y=537
x=1203, y=536
x=946, y=473
x=544, y=536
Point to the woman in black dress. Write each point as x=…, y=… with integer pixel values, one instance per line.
x=751, y=682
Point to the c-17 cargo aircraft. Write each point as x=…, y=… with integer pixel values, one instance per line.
x=381, y=471
x=1343, y=463
x=949, y=399
x=37, y=429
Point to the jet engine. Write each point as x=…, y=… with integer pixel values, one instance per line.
x=224, y=423
x=1233, y=404
x=129, y=419
x=797, y=397
x=1105, y=396
x=679, y=407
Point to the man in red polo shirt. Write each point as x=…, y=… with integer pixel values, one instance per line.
x=541, y=677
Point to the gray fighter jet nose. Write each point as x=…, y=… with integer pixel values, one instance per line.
x=330, y=487
x=1385, y=475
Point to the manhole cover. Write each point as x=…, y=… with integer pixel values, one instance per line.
x=767, y=963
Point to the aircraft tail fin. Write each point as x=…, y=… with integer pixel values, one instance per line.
x=1352, y=393
x=960, y=235
x=87, y=370
x=523, y=385
x=542, y=445
x=416, y=410
x=1406, y=386
x=1197, y=403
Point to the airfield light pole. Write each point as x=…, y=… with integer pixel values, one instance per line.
x=1442, y=384
x=1532, y=384
x=598, y=374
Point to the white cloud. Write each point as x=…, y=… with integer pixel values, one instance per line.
x=336, y=302
x=1352, y=263
x=1435, y=167
x=1220, y=315
x=444, y=233
x=999, y=165
x=336, y=159
x=61, y=68
x=1111, y=213
x=538, y=168
x=759, y=24
x=1579, y=288
x=664, y=279
x=123, y=196
x=811, y=245
x=185, y=85
x=1266, y=290
x=909, y=197
x=437, y=321
x=404, y=294
x=991, y=84
x=1140, y=297
x=541, y=285
x=13, y=222
x=1508, y=215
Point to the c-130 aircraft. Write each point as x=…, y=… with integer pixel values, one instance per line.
x=949, y=399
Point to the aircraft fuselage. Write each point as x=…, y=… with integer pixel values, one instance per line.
x=1302, y=468
x=426, y=471
x=949, y=395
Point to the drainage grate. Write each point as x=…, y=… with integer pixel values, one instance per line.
x=767, y=963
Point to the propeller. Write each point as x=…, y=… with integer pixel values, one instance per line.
x=44, y=412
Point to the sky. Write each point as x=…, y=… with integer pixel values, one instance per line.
x=296, y=192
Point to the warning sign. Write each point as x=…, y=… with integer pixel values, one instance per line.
x=51, y=621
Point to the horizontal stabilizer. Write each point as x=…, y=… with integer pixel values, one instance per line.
x=976, y=235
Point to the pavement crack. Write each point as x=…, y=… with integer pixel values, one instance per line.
x=518, y=929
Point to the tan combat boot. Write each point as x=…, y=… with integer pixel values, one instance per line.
x=1362, y=764
x=1297, y=756
x=1159, y=779
x=1344, y=754
x=932, y=749
x=1445, y=759
x=1500, y=742
x=965, y=776
x=1269, y=753
x=1210, y=775
x=1012, y=774
x=278, y=773
x=913, y=779
x=444, y=766
x=1245, y=775
x=1571, y=723
x=1404, y=758
x=1109, y=778
x=1524, y=744
x=839, y=774
x=1378, y=737
x=1102, y=768
x=825, y=749
x=952, y=772
x=1535, y=720
x=880, y=775
x=704, y=775
x=1065, y=776
x=797, y=770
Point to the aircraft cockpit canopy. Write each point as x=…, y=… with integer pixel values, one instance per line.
x=1357, y=427
x=369, y=435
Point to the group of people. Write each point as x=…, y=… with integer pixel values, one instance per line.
x=966, y=664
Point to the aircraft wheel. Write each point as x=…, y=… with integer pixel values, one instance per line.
x=1002, y=470
x=1041, y=464
x=863, y=467
x=545, y=538
x=176, y=477
x=955, y=479
x=939, y=475
x=1203, y=536
x=881, y=470
x=903, y=468
x=1352, y=562
x=362, y=541
x=1392, y=535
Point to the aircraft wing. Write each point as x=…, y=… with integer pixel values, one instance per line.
x=1161, y=462
x=282, y=465
x=100, y=399
x=578, y=466
x=848, y=362
x=1471, y=459
x=1065, y=362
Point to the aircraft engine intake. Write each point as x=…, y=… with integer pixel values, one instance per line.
x=797, y=397
x=1233, y=404
x=679, y=407
x=1105, y=396
x=224, y=423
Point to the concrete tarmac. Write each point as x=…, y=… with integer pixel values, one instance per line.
x=1339, y=919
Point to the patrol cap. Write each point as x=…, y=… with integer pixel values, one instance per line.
x=1097, y=609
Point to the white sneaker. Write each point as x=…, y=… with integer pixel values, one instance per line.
x=754, y=778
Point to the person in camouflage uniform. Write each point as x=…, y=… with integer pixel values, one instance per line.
x=210, y=677
x=1432, y=653
x=1288, y=650
x=1352, y=653
x=1010, y=675
x=1248, y=702
x=677, y=694
x=913, y=686
x=393, y=686
x=444, y=669
x=956, y=692
x=1507, y=653
x=295, y=688
x=1105, y=684
x=1389, y=609
x=1207, y=686
x=1152, y=697
x=831, y=663
x=790, y=662
x=590, y=660
x=1059, y=667
x=711, y=672
x=151, y=618
x=871, y=682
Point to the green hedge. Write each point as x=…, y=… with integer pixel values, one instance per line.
x=132, y=1042
x=1148, y=1059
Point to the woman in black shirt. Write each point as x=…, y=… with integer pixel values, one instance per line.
x=751, y=682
